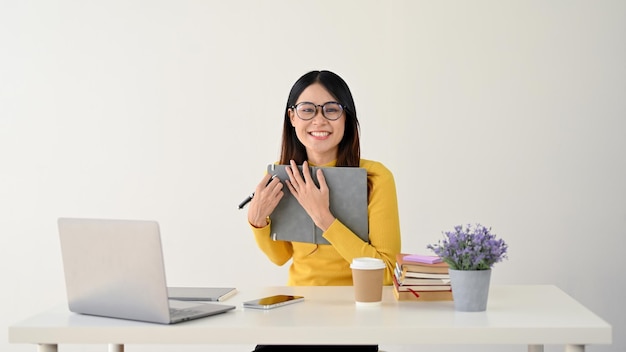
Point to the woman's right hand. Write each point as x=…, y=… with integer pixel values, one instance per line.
x=266, y=197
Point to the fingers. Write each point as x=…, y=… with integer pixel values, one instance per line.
x=264, y=182
x=302, y=185
x=273, y=187
x=307, y=173
x=295, y=178
x=268, y=193
x=314, y=199
x=322, y=181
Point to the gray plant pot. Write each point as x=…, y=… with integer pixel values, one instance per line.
x=470, y=289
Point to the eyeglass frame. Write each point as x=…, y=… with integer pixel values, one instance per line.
x=294, y=107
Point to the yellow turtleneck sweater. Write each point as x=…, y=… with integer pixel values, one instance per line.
x=329, y=265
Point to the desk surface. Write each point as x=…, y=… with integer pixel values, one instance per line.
x=537, y=314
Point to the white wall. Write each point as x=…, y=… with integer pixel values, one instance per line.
x=507, y=113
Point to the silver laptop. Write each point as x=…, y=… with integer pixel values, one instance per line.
x=114, y=268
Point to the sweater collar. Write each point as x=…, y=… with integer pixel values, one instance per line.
x=332, y=163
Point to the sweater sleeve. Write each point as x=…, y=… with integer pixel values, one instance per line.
x=278, y=252
x=384, y=224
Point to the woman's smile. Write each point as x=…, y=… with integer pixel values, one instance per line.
x=320, y=134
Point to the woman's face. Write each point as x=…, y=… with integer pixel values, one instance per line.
x=320, y=136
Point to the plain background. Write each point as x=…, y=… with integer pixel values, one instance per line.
x=506, y=113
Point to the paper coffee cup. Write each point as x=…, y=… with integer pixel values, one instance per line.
x=367, y=277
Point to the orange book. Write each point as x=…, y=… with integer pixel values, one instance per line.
x=403, y=293
x=423, y=296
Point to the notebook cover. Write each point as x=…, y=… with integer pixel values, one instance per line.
x=348, y=202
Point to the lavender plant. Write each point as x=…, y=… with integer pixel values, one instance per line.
x=470, y=248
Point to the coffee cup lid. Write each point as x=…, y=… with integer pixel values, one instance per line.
x=367, y=263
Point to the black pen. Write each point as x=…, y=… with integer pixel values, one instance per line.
x=249, y=198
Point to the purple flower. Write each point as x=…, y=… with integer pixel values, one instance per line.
x=470, y=248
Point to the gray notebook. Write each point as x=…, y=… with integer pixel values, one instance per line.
x=348, y=202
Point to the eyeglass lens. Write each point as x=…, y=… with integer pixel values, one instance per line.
x=330, y=110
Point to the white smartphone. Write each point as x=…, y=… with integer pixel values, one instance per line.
x=272, y=301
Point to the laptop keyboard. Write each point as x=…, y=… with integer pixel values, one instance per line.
x=180, y=313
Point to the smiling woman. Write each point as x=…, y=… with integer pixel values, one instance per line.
x=510, y=112
x=321, y=128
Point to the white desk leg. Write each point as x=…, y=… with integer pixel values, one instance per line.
x=46, y=348
x=535, y=348
x=574, y=348
x=116, y=348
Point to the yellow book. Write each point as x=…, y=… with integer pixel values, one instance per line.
x=422, y=295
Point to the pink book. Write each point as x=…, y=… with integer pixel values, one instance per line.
x=426, y=259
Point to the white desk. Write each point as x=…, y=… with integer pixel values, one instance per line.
x=526, y=315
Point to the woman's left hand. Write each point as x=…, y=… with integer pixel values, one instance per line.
x=314, y=200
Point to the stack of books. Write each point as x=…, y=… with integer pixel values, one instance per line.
x=421, y=278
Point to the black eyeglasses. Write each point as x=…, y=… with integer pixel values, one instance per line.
x=307, y=110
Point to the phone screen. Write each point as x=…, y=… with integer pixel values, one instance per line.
x=272, y=301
